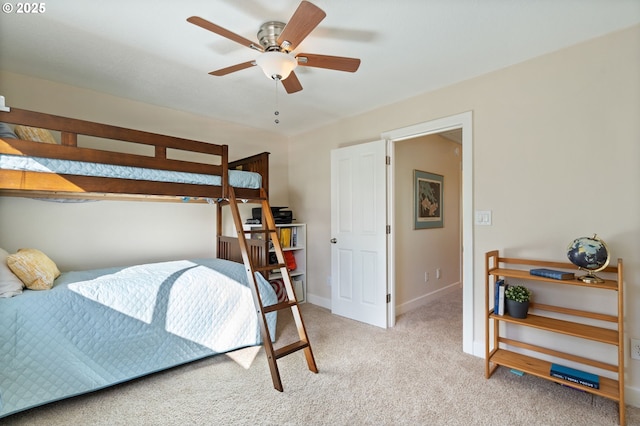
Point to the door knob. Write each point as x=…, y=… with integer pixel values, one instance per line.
x=333, y=241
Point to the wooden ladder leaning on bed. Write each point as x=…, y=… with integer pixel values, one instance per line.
x=270, y=233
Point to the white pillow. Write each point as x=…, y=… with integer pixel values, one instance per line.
x=10, y=284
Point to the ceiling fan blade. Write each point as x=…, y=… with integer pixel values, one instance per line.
x=210, y=26
x=233, y=68
x=306, y=17
x=338, y=63
x=291, y=84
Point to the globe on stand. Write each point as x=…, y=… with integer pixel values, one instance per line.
x=589, y=254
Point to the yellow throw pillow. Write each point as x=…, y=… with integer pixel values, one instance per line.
x=34, y=268
x=34, y=134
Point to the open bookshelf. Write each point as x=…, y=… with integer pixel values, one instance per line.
x=579, y=323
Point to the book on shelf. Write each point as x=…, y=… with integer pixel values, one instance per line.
x=498, y=307
x=552, y=273
x=285, y=237
x=294, y=236
x=575, y=376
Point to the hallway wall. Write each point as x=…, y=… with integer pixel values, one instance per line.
x=423, y=251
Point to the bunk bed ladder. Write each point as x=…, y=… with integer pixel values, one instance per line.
x=271, y=234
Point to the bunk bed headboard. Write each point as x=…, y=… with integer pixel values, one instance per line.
x=258, y=163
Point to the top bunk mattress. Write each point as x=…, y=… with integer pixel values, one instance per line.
x=237, y=178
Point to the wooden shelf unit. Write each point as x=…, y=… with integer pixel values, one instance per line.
x=498, y=347
x=297, y=247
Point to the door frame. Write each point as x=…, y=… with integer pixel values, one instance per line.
x=462, y=121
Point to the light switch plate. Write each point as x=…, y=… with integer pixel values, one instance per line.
x=483, y=217
x=635, y=348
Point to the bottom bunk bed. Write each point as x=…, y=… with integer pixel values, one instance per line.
x=98, y=328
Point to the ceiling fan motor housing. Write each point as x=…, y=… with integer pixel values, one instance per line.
x=268, y=36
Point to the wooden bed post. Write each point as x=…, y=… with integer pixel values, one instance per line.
x=218, y=227
x=225, y=171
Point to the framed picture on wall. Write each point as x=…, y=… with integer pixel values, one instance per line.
x=428, y=200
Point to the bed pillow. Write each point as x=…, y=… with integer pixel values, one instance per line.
x=34, y=268
x=6, y=132
x=34, y=134
x=10, y=285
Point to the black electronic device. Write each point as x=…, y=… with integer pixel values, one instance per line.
x=280, y=216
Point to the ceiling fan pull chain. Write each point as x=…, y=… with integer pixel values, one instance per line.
x=276, y=112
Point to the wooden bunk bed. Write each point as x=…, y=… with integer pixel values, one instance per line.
x=52, y=185
x=77, y=146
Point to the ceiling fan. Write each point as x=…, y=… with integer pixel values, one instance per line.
x=277, y=40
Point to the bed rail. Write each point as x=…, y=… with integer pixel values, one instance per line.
x=30, y=184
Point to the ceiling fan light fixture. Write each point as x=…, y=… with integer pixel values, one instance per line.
x=276, y=65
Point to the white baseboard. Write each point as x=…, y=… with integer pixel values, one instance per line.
x=319, y=301
x=400, y=309
x=426, y=298
x=632, y=396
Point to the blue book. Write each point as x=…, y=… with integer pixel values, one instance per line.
x=496, y=293
x=552, y=273
x=575, y=376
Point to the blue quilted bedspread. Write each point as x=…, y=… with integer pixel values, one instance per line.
x=102, y=327
x=237, y=178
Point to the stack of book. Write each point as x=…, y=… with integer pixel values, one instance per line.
x=288, y=236
x=575, y=376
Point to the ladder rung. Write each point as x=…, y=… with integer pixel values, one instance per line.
x=262, y=231
x=269, y=267
x=249, y=200
x=289, y=349
x=279, y=306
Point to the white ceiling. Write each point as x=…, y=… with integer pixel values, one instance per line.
x=145, y=50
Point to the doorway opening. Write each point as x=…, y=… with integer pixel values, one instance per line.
x=463, y=123
x=428, y=218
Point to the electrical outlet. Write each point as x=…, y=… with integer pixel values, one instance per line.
x=635, y=349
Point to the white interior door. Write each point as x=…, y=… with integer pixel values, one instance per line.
x=358, y=231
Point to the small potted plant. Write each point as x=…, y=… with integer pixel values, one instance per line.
x=517, y=300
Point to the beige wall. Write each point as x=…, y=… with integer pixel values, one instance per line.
x=555, y=156
x=108, y=233
x=420, y=251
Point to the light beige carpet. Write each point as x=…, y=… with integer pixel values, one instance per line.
x=413, y=374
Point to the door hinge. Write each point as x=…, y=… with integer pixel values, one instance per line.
x=388, y=298
x=387, y=160
x=388, y=229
